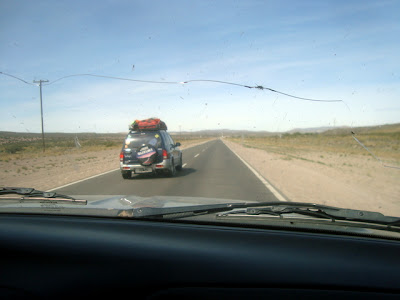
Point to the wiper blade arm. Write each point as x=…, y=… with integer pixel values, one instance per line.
x=277, y=208
x=31, y=194
x=320, y=211
x=165, y=212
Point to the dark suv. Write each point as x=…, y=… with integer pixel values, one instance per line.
x=150, y=152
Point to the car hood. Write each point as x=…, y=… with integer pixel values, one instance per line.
x=130, y=206
x=136, y=202
x=106, y=205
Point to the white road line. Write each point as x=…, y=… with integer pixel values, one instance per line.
x=197, y=155
x=63, y=186
x=184, y=165
x=262, y=179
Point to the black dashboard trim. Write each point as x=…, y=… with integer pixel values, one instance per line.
x=45, y=255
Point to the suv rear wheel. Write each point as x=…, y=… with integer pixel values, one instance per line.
x=179, y=167
x=126, y=175
x=172, y=170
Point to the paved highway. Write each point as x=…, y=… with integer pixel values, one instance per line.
x=210, y=170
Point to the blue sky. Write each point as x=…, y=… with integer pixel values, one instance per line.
x=345, y=50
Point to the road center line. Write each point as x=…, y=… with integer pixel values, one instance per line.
x=184, y=165
x=197, y=155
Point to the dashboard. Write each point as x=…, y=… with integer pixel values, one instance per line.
x=46, y=256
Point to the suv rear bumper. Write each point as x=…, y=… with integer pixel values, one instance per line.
x=139, y=169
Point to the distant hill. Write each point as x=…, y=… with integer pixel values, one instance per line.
x=313, y=129
x=386, y=128
x=219, y=132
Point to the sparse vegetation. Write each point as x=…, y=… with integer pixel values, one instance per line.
x=23, y=145
x=13, y=148
x=383, y=141
x=14, y=145
x=58, y=166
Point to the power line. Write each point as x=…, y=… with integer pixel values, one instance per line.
x=196, y=80
x=370, y=152
x=218, y=81
x=296, y=97
x=20, y=79
x=41, y=105
x=112, y=77
x=260, y=87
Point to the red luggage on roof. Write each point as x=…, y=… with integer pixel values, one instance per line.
x=148, y=124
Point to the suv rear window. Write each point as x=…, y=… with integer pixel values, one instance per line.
x=135, y=140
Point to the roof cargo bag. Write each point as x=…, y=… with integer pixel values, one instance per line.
x=148, y=124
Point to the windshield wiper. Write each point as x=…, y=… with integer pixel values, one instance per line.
x=270, y=208
x=183, y=211
x=33, y=195
x=314, y=210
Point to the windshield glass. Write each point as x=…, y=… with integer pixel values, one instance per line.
x=203, y=102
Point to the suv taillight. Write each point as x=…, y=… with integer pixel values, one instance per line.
x=121, y=156
x=165, y=154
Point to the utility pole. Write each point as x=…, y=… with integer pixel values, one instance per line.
x=41, y=108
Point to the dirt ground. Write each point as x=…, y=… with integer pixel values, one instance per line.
x=358, y=182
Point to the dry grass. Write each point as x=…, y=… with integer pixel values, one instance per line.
x=61, y=165
x=21, y=146
x=382, y=142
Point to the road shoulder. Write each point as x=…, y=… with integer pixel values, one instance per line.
x=305, y=181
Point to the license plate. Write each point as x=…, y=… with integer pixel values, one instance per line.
x=143, y=170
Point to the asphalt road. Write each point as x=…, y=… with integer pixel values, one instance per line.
x=210, y=170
